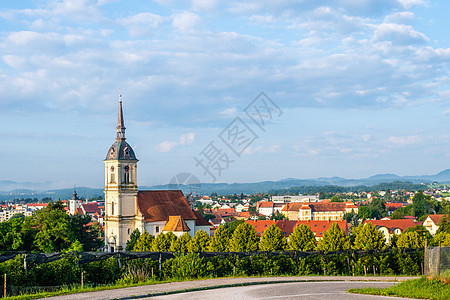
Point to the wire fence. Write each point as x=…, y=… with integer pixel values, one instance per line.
x=344, y=262
x=87, y=257
x=437, y=262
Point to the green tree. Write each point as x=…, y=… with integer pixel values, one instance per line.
x=75, y=246
x=220, y=240
x=333, y=239
x=272, y=239
x=420, y=204
x=423, y=233
x=87, y=232
x=163, y=241
x=277, y=216
x=352, y=218
x=144, y=242
x=200, y=242
x=410, y=240
x=180, y=244
x=378, y=208
x=231, y=226
x=368, y=237
x=442, y=237
x=444, y=225
x=397, y=214
x=302, y=239
x=134, y=236
x=364, y=212
x=244, y=239
x=336, y=199
x=54, y=231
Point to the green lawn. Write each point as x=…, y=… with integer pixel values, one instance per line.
x=416, y=288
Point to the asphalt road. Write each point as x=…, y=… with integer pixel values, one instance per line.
x=285, y=291
x=305, y=287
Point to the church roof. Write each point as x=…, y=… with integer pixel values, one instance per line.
x=176, y=223
x=120, y=150
x=160, y=205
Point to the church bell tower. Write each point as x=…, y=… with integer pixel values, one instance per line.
x=120, y=190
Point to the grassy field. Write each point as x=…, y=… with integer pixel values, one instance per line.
x=418, y=288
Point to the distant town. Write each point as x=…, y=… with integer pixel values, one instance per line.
x=392, y=211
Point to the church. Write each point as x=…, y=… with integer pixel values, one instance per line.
x=127, y=208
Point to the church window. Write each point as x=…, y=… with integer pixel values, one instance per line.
x=112, y=209
x=126, y=175
x=157, y=229
x=128, y=231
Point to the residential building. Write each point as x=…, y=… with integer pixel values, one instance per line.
x=319, y=211
x=431, y=223
x=391, y=227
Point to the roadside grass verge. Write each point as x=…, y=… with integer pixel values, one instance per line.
x=417, y=288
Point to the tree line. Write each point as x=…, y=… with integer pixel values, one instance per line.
x=244, y=238
x=49, y=230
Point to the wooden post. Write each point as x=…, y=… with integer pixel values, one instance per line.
x=439, y=261
x=425, y=253
x=365, y=271
x=374, y=273
x=25, y=262
x=152, y=273
x=82, y=280
x=4, y=287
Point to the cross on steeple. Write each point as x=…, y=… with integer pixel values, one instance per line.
x=120, y=125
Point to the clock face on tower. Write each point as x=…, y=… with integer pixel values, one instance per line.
x=112, y=169
x=127, y=169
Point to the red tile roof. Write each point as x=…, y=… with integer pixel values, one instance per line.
x=176, y=223
x=260, y=225
x=200, y=220
x=437, y=218
x=319, y=227
x=287, y=226
x=266, y=204
x=159, y=205
x=401, y=224
x=90, y=208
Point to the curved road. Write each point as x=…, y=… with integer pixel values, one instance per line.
x=304, y=287
x=285, y=291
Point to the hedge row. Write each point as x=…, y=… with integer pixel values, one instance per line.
x=67, y=271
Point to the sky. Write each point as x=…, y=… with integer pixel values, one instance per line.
x=227, y=91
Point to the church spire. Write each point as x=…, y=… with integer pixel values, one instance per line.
x=120, y=125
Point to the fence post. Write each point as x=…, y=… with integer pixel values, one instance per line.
x=82, y=280
x=4, y=287
x=160, y=265
x=439, y=261
x=425, y=259
x=25, y=262
x=118, y=260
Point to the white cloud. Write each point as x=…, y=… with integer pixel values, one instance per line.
x=405, y=140
x=403, y=17
x=204, y=5
x=399, y=34
x=143, y=23
x=167, y=146
x=187, y=138
x=186, y=21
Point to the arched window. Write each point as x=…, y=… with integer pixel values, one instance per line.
x=126, y=174
x=112, y=209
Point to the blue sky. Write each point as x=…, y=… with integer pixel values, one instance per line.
x=363, y=87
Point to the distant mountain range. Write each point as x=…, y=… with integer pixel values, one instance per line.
x=11, y=189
